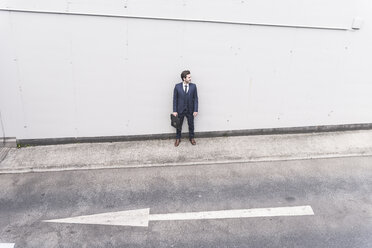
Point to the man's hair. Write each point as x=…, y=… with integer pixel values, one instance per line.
x=184, y=74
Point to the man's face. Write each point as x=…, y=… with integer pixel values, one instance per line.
x=188, y=78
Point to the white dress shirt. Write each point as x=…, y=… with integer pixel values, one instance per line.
x=188, y=87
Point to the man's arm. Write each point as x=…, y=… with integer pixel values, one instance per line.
x=196, y=100
x=175, y=95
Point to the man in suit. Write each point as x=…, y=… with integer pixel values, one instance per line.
x=185, y=103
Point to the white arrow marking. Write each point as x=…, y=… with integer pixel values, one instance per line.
x=138, y=217
x=141, y=217
x=7, y=245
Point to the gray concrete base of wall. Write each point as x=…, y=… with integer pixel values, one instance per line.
x=8, y=142
x=265, y=131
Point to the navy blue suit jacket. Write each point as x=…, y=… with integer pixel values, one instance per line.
x=182, y=101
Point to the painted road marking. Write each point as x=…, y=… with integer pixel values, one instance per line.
x=7, y=245
x=141, y=217
x=239, y=213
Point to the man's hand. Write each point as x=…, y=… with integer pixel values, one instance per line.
x=195, y=114
x=175, y=113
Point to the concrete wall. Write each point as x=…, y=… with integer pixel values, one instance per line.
x=83, y=68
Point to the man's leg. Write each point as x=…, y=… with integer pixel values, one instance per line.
x=190, y=122
x=178, y=134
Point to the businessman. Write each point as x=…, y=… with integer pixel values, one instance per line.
x=185, y=103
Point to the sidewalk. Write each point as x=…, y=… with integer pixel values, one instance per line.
x=238, y=149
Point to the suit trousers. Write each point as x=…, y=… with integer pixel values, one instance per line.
x=190, y=122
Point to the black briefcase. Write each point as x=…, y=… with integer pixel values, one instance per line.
x=175, y=121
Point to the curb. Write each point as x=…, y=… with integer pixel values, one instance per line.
x=197, y=163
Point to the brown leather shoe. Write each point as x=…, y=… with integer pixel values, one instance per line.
x=192, y=141
x=177, y=142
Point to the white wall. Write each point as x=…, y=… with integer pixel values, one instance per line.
x=64, y=75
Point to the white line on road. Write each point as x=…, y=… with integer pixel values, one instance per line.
x=239, y=213
x=7, y=245
x=141, y=217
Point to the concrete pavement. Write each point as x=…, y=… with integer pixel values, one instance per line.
x=236, y=149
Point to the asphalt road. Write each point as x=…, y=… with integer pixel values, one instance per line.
x=339, y=190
